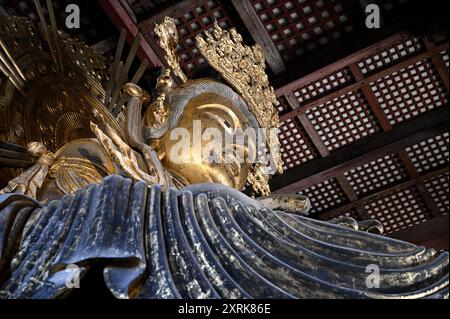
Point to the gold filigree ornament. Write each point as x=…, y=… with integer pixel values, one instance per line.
x=243, y=67
x=167, y=33
x=54, y=87
x=58, y=84
x=158, y=110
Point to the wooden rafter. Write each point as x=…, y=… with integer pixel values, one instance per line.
x=438, y=62
x=315, y=175
x=386, y=126
x=358, y=85
x=370, y=97
x=178, y=9
x=392, y=189
x=335, y=66
x=121, y=19
x=412, y=171
x=324, y=152
x=14, y=156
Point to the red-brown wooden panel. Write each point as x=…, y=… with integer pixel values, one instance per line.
x=385, y=57
x=300, y=27
x=323, y=86
x=411, y=91
x=430, y=154
x=296, y=146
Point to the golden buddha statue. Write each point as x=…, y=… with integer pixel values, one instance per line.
x=145, y=147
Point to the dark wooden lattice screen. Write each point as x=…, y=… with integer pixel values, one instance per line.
x=300, y=27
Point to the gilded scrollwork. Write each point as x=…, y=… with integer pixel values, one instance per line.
x=158, y=110
x=243, y=67
x=168, y=40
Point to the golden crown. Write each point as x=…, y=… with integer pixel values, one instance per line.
x=243, y=67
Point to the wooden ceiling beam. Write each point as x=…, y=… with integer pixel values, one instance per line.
x=358, y=153
x=371, y=99
x=438, y=62
x=324, y=152
x=357, y=85
x=342, y=63
x=432, y=233
x=178, y=9
x=413, y=173
x=392, y=189
x=387, y=126
x=122, y=20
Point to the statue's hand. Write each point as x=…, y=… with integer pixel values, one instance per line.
x=121, y=154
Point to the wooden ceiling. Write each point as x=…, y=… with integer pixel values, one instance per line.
x=364, y=112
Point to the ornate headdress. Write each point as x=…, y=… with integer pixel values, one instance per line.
x=243, y=67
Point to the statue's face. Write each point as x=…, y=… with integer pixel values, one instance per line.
x=201, y=149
